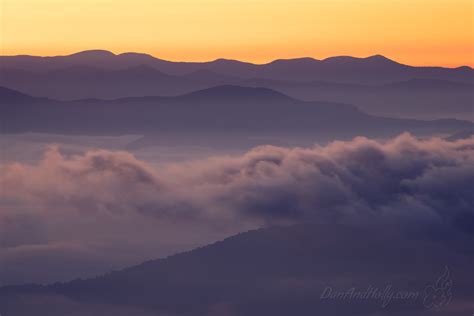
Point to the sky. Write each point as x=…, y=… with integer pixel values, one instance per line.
x=417, y=32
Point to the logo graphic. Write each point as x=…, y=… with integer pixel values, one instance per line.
x=439, y=293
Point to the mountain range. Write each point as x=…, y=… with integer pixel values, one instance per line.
x=218, y=113
x=375, y=84
x=377, y=68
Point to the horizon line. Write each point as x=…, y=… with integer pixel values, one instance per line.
x=235, y=60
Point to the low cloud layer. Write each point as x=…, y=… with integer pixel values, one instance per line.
x=102, y=201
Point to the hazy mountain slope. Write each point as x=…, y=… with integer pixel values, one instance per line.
x=219, y=111
x=275, y=271
x=79, y=82
x=414, y=98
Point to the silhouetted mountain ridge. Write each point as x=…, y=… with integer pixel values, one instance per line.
x=269, y=271
x=309, y=68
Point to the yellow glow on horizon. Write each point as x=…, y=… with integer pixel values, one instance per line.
x=418, y=32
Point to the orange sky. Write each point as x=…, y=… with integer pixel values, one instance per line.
x=418, y=32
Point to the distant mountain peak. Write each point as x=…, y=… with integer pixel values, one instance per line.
x=377, y=60
x=464, y=68
x=300, y=60
x=220, y=60
x=228, y=61
x=295, y=59
x=380, y=59
x=94, y=53
x=134, y=54
x=140, y=57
